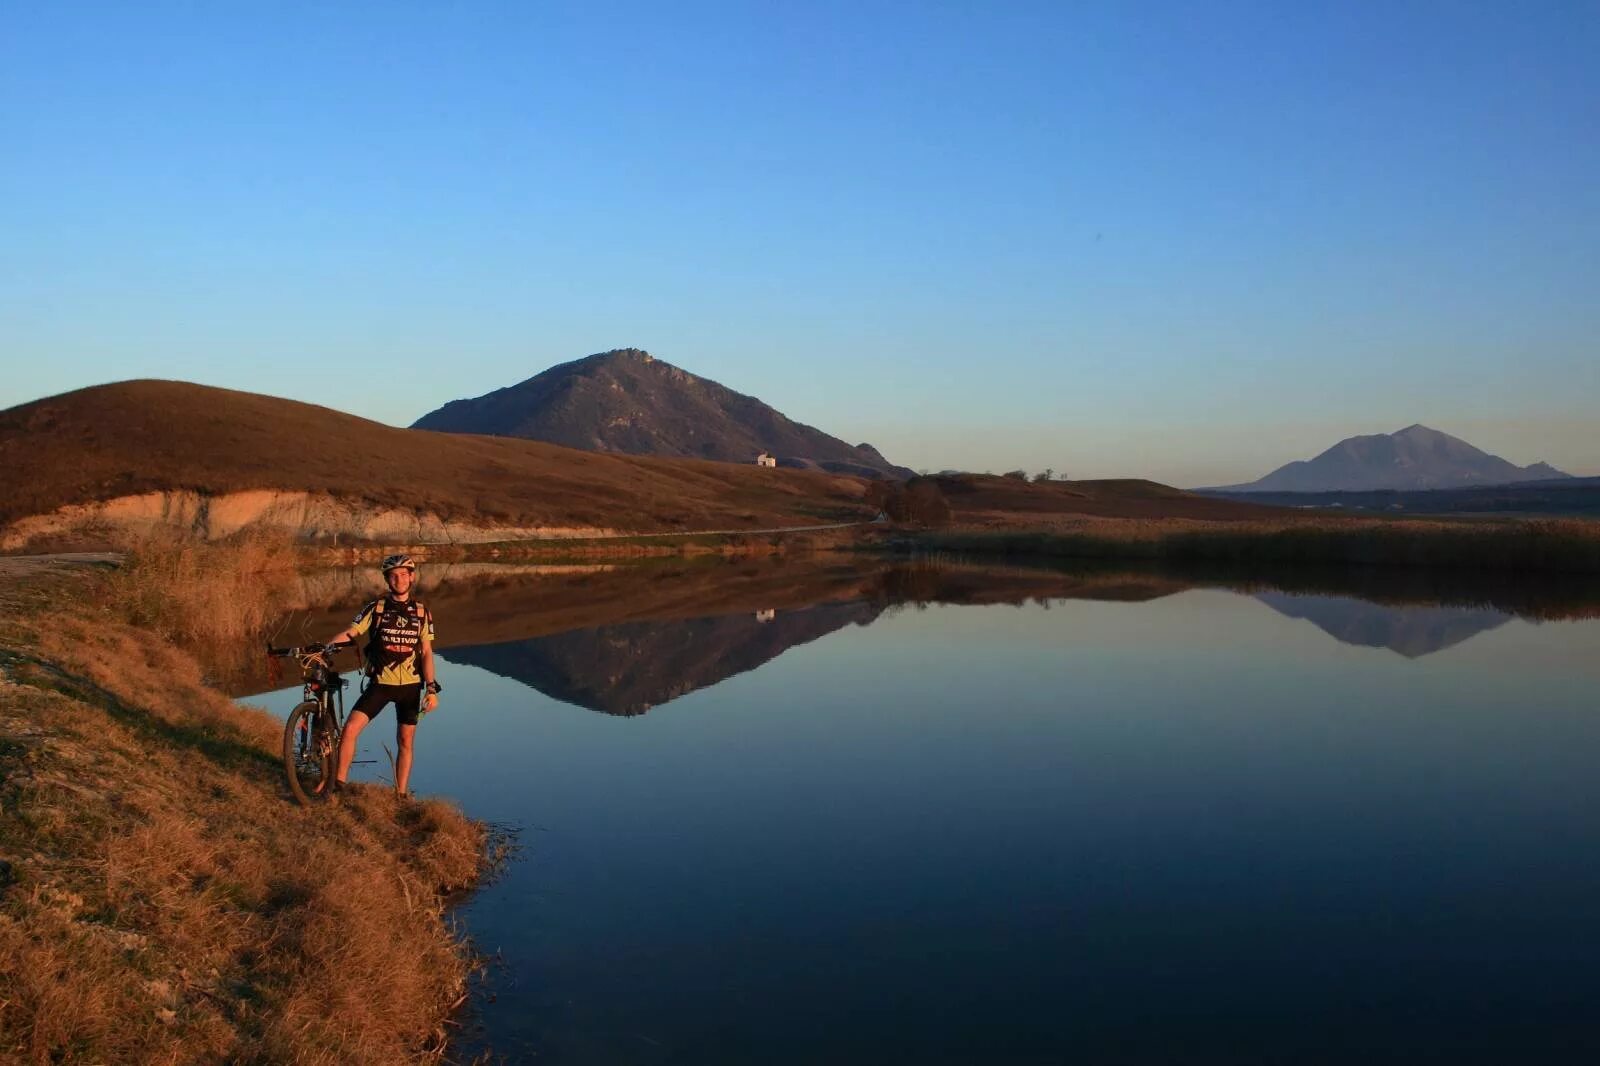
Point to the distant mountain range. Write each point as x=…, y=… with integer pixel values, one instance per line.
x=628, y=401
x=1413, y=458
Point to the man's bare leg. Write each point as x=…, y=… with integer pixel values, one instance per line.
x=403, y=735
x=347, y=746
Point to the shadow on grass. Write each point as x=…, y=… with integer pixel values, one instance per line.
x=230, y=753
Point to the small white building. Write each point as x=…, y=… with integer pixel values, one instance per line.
x=765, y=459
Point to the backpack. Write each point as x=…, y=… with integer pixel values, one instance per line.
x=370, y=653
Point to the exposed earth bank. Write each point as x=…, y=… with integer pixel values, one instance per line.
x=304, y=515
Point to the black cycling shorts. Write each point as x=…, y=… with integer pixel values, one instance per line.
x=407, y=700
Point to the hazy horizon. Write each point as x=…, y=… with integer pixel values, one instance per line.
x=1109, y=454
x=1178, y=243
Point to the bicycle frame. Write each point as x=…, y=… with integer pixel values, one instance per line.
x=322, y=684
x=312, y=746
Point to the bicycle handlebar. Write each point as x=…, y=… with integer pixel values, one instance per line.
x=307, y=649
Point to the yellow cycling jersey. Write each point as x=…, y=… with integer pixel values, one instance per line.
x=396, y=641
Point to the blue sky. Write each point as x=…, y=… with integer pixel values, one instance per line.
x=1182, y=241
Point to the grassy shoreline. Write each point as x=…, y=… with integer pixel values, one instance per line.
x=1570, y=545
x=1544, y=545
x=1534, y=544
x=161, y=899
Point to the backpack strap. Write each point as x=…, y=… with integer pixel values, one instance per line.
x=370, y=666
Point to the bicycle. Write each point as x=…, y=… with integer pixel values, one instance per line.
x=311, y=735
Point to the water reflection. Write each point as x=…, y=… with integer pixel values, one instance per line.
x=1158, y=821
x=1409, y=631
x=628, y=668
x=622, y=640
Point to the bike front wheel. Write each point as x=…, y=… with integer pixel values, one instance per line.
x=310, y=746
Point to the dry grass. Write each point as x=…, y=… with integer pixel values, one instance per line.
x=188, y=589
x=984, y=499
x=163, y=901
x=152, y=436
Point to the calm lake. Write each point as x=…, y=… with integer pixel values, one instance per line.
x=947, y=814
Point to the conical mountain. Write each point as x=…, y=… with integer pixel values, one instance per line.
x=628, y=401
x=1413, y=458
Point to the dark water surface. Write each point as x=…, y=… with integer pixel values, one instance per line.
x=1165, y=823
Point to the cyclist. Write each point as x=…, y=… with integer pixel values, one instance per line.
x=399, y=667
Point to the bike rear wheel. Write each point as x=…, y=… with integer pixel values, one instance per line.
x=309, y=749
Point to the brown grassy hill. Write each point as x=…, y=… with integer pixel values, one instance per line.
x=142, y=436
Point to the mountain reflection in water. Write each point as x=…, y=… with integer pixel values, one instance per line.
x=628, y=668
x=1106, y=814
x=621, y=639
x=1412, y=631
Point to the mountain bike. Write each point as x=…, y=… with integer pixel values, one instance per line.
x=312, y=733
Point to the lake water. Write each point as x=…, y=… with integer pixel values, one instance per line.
x=1124, y=818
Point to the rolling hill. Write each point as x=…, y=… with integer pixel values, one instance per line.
x=628, y=401
x=150, y=437
x=135, y=453
x=989, y=499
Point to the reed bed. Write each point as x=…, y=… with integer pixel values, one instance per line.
x=1571, y=545
x=186, y=588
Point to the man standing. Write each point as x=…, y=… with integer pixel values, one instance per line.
x=399, y=667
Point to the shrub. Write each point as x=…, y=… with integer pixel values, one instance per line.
x=920, y=502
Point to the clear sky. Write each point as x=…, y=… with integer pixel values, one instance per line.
x=1185, y=241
